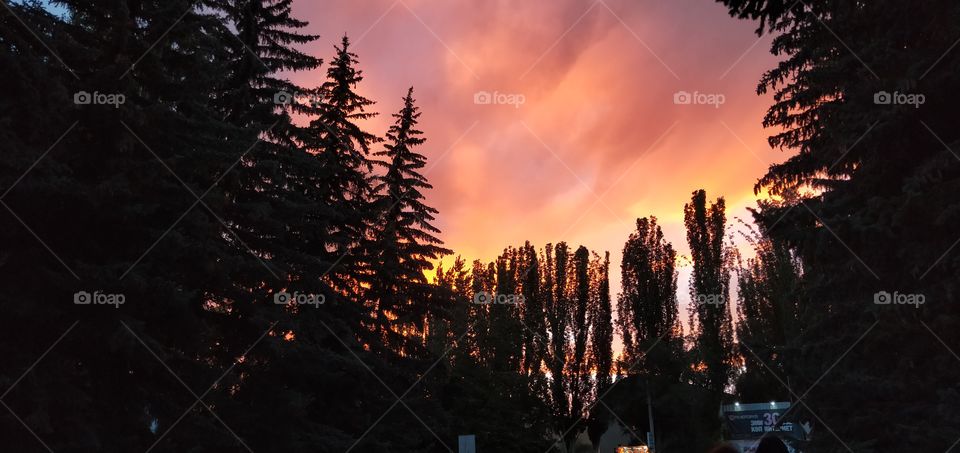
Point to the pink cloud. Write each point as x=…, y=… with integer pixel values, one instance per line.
x=599, y=118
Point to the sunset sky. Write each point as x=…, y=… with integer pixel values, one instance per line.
x=598, y=140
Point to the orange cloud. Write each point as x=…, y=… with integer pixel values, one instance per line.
x=597, y=140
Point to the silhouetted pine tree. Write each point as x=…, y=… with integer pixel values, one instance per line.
x=262, y=48
x=342, y=147
x=404, y=242
x=280, y=209
x=271, y=182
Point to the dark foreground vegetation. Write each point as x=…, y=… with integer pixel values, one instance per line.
x=198, y=255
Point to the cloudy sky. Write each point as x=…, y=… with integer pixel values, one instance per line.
x=582, y=133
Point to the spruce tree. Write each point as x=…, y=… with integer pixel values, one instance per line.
x=404, y=240
x=277, y=210
x=344, y=146
x=270, y=184
x=263, y=46
x=337, y=140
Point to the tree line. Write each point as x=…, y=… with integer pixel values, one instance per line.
x=202, y=197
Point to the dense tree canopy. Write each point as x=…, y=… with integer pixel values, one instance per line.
x=866, y=202
x=268, y=255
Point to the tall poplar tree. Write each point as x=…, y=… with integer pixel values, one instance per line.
x=647, y=308
x=769, y=317
x=558, y=315
x=710, y=317
x=601, y=342
x=535, y=332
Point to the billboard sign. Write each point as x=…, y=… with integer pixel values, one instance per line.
x=751, y=421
